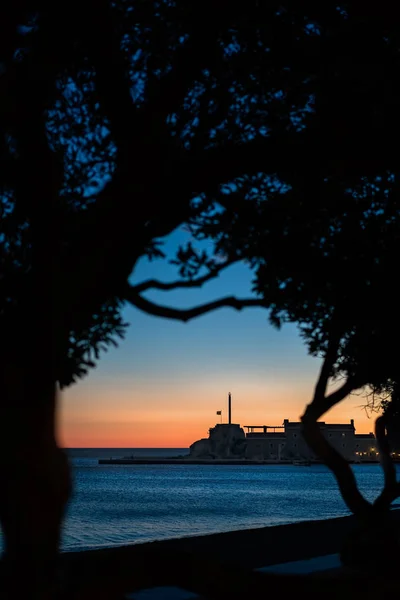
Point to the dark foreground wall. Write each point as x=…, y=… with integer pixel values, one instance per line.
x=221, y=565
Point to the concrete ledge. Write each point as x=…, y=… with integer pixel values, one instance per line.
x=189, y=461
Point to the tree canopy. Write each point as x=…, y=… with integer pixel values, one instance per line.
x=117, y=120
x=271, y=137
x=268, y=127
x=136, y=122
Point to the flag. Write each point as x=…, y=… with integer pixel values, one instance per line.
x=219, y=412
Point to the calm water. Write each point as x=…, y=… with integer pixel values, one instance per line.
x=114, y=505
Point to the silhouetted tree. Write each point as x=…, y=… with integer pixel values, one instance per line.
x=331, y=270
x=391, y=413
x=121, y=121
x=386, y=400
x=323, y=237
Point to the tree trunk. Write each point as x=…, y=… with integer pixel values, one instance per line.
x=35, y=486
x=373, y=546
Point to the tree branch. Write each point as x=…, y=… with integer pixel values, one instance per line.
x=386, y=497
x=205, y=170
x=321, y=403
x=391, y=489
x=173, y=285
x=326, y=369
x=185, y=315
x=284, y=154
x=384, y=451
x=315, y=439
x=338, y=465
x=315, y=409
x=108, y=221
x=189, y=59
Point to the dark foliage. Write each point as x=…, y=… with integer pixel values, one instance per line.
x=141, y=126
x=267, y=126
x=98, y=135
x=321, y=229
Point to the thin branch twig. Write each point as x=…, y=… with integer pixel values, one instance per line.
x=185, y=315
x=155, y=284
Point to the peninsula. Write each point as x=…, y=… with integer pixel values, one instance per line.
x=228, y=443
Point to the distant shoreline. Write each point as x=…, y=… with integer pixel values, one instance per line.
x=211, y=461
x=186, y=461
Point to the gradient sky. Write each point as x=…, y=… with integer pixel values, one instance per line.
x=163, y=385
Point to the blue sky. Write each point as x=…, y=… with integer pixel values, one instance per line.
x=164, y=383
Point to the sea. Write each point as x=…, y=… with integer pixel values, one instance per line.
x=114, y=505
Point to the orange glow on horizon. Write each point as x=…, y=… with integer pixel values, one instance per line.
x=118, y=418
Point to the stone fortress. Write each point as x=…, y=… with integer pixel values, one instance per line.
x=283, y=443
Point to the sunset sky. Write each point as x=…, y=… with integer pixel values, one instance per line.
x=165, y=382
